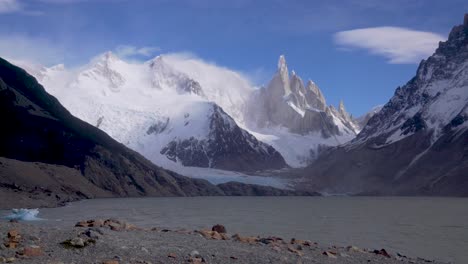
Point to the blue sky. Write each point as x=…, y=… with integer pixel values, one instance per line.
x=248, y=36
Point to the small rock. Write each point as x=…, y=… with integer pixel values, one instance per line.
x=344, y=255
x=354, y=248
x=301, y=242
x=293, y=250
x=382, y=252
x=232, y=257
x=195, y=254
x=13, y=233
x=196, y=260
x=32, y=251
x=250, y=240
x=145, y=250
x=11, y=244
x=172, y=255
x=77, y=242
x=110, y=262
x=213, y=235
x=82, y=224
x=97, y=223
x=92, y=233
x=329, y=254
x=219, y=228
x=10, y=260
x=276, y=248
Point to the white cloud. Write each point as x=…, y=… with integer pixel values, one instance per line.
x=398, y=45
x=18, y=47
x=126, y=51
x=9, y=6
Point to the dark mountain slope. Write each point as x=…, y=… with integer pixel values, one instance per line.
x=36, y=128
x=418, y=143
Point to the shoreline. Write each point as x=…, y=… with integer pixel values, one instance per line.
x=112, y=241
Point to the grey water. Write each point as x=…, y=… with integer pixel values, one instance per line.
x=431, y=228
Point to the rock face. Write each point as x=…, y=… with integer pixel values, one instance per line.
x=227, y=147
x=417, y=143
x=362, y=120
x=38, y=129
x=287, y=102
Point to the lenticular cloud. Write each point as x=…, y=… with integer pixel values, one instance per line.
x=398, y=45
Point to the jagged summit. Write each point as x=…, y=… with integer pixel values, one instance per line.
x=287, y=102
x=282, y=65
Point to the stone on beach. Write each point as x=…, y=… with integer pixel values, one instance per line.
x=301, y=242
x=219, y=228
x=330, y=254
x=382, y=252
x=213, y=235
x=13, y=239
x=31, y=251
x=113, y=224
x=110, y=262
x=249, y=240
x=295, y=250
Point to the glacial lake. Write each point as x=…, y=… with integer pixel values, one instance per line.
x=432, y=228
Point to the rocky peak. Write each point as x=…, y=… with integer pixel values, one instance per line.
x=165, y=76
x=342, y=110
x=465, y=20
x=314, y=96
x=283, y=75
x=282, y=66
x=103, y=68
x=431, y=99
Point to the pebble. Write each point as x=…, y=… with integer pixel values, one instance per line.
x=77, y=242
x=194, y=254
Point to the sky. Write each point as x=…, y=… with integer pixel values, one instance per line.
x=359, y=51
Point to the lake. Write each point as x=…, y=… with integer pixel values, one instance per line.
x=433, y=228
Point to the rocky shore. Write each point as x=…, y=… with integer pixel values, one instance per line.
x=113, y=242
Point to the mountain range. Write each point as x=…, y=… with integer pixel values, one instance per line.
x=179, y=112
x=49, y=157
x=196, y=119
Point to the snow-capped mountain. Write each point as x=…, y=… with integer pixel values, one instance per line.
x=180, y=111
x=295, y=119
x=418, y=141
x=160, y=112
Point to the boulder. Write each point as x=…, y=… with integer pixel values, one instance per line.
x=219, y=228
